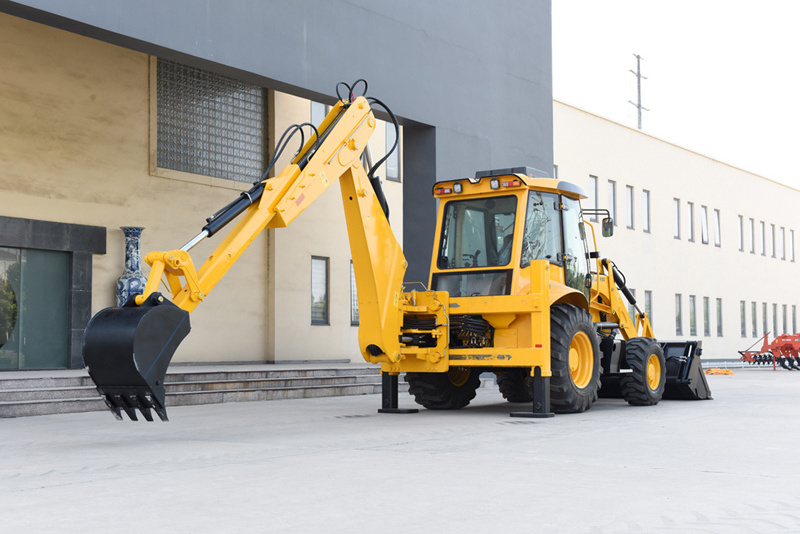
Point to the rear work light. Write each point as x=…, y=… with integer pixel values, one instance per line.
x=494, y=183
x=457, y=187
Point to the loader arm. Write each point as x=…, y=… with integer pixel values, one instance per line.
x=607, y=304
x=127, y=350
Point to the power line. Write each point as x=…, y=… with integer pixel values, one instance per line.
x=639, y=78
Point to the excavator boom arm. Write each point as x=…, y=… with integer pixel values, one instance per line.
x=127, y=350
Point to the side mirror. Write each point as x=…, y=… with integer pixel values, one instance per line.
x=608, y=227
x=582, y=231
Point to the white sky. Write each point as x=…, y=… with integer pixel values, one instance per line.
x=723, y=77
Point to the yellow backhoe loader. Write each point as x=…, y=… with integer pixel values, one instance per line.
x=514, y=289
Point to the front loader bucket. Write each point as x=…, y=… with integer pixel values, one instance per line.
x=685, y=378
x=127, y=351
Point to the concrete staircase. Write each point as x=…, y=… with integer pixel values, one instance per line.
x=40, y=393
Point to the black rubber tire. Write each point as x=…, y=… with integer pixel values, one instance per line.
x=635, y=388
x=515, y=385
x=567, y=322
x=444, y=391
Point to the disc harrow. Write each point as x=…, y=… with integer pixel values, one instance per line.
x=784, y=351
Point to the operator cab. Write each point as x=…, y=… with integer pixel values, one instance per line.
x=502, y=220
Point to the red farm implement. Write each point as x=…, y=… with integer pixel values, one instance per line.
x=784, y=351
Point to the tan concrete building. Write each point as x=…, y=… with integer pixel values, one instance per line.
x=710, y=249
x=81, y=142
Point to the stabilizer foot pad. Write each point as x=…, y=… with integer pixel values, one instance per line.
x=532, y=415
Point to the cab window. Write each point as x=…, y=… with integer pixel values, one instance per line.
x=477, y=233
x=542, y=234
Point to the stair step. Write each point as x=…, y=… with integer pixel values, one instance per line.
x=22, y=396
x=48, y=393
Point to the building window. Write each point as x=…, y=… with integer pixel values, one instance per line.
x=393, y=161
x=631, y=308
x=353, y=297
x=706, y=318
x=692, y=316
x=555, y=172
x=741, y=233
x=320, y=304
x=593, y=194
x=676, y=226
x=318, y=113
x=629, y=205
x=791, y=244
x=772, y=232
x=717, y=230
x=612, y=200
x=794, y=319
x=765, y=318
x=752, y=236
x=209, y=124
x=783, y=243
x=646, y=211
x=743, y=313
x=754, y=319
x=678, y=318
x=774, y=320
x=704, y=225
x=763, y=238
x=719, y=317
x=785, y=320
x=690, y=221
x=648, y=305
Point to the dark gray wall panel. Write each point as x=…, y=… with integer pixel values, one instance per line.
x=478, y=72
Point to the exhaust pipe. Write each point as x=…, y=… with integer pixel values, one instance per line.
x=127, y=351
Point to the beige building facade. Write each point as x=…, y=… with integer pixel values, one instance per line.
x=79, y=145
x=710, y=249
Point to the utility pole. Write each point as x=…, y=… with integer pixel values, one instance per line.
x=639, y=78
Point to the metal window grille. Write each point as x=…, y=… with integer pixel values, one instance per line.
x=210, y=124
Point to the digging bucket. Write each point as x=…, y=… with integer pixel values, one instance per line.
x=127, y=351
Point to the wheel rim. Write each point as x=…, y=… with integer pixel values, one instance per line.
x=653, y=372
x=581, y=360
x=458, y=376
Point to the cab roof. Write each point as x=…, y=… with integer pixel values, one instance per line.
x=511, y=178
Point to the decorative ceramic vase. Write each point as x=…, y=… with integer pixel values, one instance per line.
x=132, y=280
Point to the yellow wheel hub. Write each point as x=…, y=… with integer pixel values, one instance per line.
x=581, y=360
x=653, y=372
x=458, y=376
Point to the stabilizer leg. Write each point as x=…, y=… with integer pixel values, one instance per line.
x=389, y=395
x=541, y=397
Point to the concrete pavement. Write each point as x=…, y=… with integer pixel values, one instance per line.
x=335, y=465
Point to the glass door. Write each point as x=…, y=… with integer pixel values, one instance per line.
x=34, y=300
